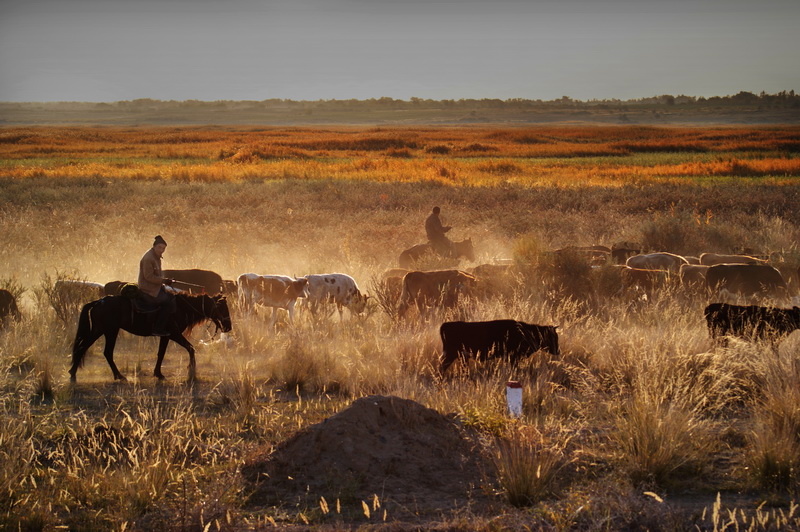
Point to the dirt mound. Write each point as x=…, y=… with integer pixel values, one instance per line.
x=414, y=458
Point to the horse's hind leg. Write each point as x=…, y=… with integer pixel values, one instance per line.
x=162, y=349
x=79, y=353
x=111, y=341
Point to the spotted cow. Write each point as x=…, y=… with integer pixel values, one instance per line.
x=336, y=288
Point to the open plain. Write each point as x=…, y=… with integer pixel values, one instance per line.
x=642, y=422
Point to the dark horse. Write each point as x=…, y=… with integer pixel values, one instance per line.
x=108, y=315
x=411, y=256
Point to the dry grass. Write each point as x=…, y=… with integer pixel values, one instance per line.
x=639, y=401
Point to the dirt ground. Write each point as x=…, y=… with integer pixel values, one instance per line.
x=416, y=460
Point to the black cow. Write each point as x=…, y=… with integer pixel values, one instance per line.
x=751, y=322
x=8, y=306
x=196, y=281
x=499, y=338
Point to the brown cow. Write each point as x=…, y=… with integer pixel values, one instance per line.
x=693, y=277
x=711, y=259
x=196, y=281
x=746, y=280
x=394, y=272
x=391, y=282
x=646, y=280
x=495, y=279
x=434, y=288
x=622, y=250
x=276, y=291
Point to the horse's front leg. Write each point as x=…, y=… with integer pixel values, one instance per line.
x=183, y=342
x=162, y=350
x=111, y=341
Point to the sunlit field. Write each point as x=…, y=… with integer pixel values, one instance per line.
x=563, y=156
x=642, y=422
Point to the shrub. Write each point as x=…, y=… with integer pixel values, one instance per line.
x=14, y=286
x=528, y=466
x=438, y=149
x=657, y=440
x=66, y=299
x=566, y=274
x=685, y=233
x=400, y=153
x=774, y=458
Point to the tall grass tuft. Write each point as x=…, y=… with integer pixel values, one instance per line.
x=656, y=441
x=774, y=456
x=529, y=466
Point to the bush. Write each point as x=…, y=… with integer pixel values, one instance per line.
x=67, y=296
x=657, y=440
x=685, y=233
x=566, y=274
x=438, y=149
x=528, y=466
x=775, y=444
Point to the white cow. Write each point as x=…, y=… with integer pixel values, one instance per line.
x=338, y=288
x=657, y=261
x=276, y=291
x=74, y=289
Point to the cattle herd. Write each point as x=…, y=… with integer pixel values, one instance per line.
x=745, y=279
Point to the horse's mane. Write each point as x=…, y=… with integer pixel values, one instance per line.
x=195, y=304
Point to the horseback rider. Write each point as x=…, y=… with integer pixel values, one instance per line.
x=436, y=234
x=151, y=286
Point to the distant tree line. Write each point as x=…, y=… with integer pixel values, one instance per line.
x=780, y=100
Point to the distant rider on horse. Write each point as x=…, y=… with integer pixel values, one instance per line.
x=436, y=234
x=151, y=286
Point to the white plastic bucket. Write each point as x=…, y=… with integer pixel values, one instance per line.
x=514, y=398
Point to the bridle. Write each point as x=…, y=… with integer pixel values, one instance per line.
x=213, y=317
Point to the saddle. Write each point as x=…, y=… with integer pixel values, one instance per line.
x=138, y=304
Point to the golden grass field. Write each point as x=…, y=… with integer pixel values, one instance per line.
x=641, y=423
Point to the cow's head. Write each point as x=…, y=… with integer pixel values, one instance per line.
x=358, y=303
x=550, y=340
x=298, y=288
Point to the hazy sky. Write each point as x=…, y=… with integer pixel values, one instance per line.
x=111, y=50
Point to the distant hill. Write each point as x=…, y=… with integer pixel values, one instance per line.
x=741, y=108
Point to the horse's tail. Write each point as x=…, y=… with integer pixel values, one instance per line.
x=83, y=337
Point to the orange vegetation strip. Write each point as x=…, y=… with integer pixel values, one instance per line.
x=453, y=155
